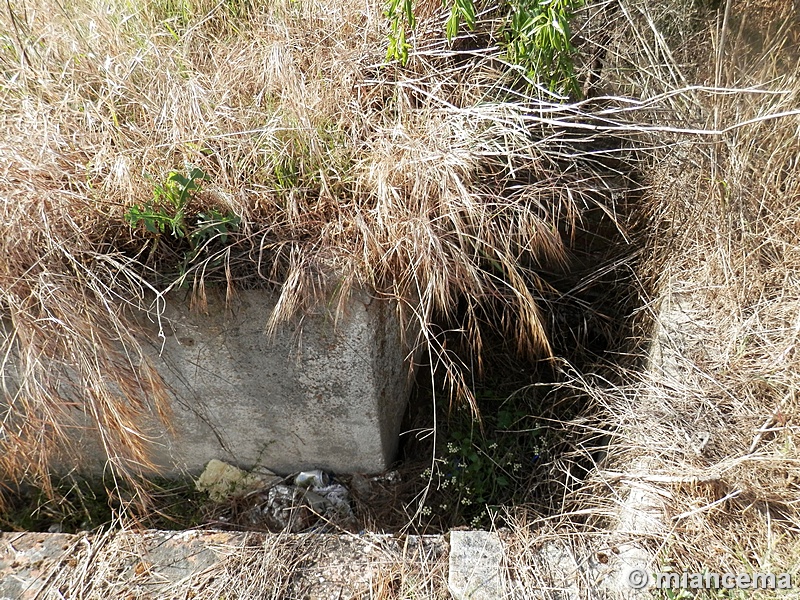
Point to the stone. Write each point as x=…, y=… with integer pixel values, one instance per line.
x=476, y=559
x=216, y=564
x=222, y=481
x=26, y=559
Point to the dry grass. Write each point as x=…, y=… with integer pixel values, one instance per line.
x=430, y=185
x=706, y=433
x=422, y=183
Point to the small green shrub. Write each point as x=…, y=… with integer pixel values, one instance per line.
x=167, y=214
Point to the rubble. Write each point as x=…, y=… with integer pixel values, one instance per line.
x=292, y=504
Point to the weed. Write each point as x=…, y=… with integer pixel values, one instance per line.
x=167, y=214
x=86, y=504
x=400, y=14
x=78, y=504
x=535, y=34
x=462, y=11
x=213, y=224
x=167, y=210
x=537, y=37
x=484, y=468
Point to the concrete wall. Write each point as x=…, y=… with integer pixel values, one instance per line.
x=315, y=396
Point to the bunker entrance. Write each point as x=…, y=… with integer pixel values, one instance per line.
x=524, y=439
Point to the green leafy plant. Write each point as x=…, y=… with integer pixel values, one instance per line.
x=400, y=14
x=535, y=33
x=537, y=37
x=482, y=470
x=460, y=11
x=213, y=224
x=166, y=214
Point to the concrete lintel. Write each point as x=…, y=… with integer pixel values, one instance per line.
x=319, y=394
x=326, y=391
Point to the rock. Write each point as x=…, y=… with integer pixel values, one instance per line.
x=476, y=558
x=222, y=481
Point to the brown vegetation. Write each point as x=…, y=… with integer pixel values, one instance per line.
x=432, y=184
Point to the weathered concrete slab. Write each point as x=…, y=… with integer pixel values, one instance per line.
x=214, y=564
x=26, y=561
x=320, y=393
x=476, y=560
x=317, y=394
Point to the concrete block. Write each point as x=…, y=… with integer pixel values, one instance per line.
x=316, y=395
x=215, y=564
x=476, y=558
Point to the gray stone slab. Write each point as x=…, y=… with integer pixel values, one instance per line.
x=321, y=393
x=26, y=560
x=476, y=560
x=215, y=564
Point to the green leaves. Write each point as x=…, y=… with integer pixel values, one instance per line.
x=481, y=469
x=213, y=224
x=177, y=190
x=166, y=214
x=400, y=14
x=462, y=10
x=166, y=211
x=154, y=221
x=536, y=35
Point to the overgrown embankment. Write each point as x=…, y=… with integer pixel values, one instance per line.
x=449, y=184
x=195, y=144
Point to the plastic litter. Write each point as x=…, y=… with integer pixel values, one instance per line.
x=311, y=479
x=290, y=504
